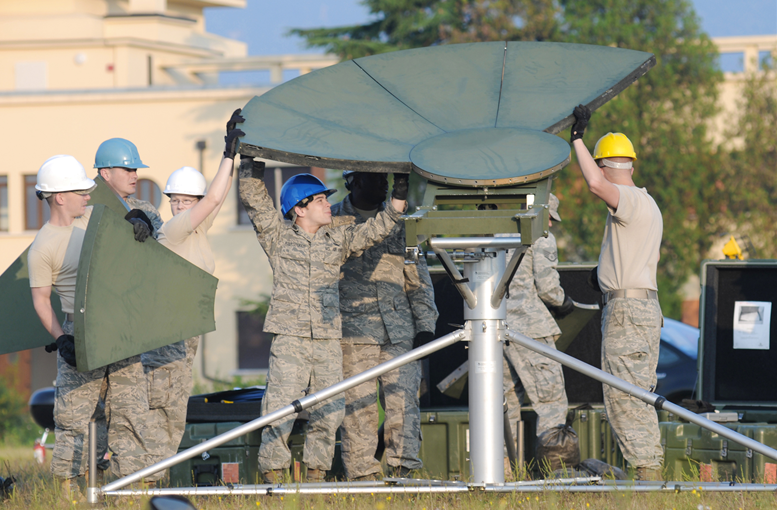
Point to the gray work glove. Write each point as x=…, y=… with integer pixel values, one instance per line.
x=231, y=141
x=235, y=120
x=564, y=309
x=582, y=115
x=593, y=279
x=141, y=225
x=401, y=184
x=250, y=168
x=423, y=338
x=66, y=346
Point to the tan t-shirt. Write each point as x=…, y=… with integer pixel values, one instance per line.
x=53, y=258
x=632, y=238
x=193, y=245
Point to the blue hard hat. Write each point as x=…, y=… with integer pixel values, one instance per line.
x=300, y=187
x=118, y=152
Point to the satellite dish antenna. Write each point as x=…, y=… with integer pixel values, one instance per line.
x=470, y=115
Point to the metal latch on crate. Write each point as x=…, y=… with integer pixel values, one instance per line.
x=724, y=449
x=688, y=447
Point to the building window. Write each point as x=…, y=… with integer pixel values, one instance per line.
x=37, y=212
x=31, y=75
x=273, y=179
x=149, y=191
x=253, y=344
x=3, y=203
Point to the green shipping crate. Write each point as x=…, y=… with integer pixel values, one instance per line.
x=445, y=445
x=233, y=462
x=688, y=446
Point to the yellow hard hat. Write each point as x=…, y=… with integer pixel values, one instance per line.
x=614, y=145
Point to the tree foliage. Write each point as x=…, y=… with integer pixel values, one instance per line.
x=404, y=24
x=749, y=172
x=666, y=113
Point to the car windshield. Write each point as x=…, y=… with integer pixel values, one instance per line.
x=682, y=336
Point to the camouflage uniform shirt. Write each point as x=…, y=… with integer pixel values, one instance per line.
x=378, y=290
x=306, y=267
x=536, y=283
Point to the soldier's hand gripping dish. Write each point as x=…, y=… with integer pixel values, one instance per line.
x=631, y=319
x=305, y=249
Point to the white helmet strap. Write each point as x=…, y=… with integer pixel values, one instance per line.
x=619, y=166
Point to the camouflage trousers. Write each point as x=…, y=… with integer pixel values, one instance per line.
x=402, y=425
x=299, y=366
x=631, y=333
x=78, y=400
x=169, y=377
x=541, y=379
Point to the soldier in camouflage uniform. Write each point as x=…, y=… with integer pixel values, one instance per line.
x=53, y=262
x=306, y=252
x=626, y=275
x=386, y=305
x=535, y=288
x=169, y=368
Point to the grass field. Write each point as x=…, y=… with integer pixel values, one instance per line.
x=36, y=490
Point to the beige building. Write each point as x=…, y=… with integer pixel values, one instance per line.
x=74, y=73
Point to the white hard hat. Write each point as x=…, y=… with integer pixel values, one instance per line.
x=63, y=173
x=186, y=181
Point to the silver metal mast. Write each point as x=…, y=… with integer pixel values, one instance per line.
x=484, y=277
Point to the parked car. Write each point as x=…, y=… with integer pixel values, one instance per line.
x=677, y=370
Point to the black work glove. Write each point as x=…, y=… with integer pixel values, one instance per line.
x=582, y=115
x=141, y=224
x=234, y=120
x=231, y=142
x=250, y=168
x=401, y=183
x=593, y=279
x=67, y=349
x=422, y=338
x=561, y=311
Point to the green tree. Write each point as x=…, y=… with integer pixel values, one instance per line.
x=404, y=24
x=666, y=115
x=749, y=180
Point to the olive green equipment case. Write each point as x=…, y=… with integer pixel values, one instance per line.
x=237, y=461
x=445, y=445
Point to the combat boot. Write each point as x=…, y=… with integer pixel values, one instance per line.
x=69, y=490
x=274, y=476
x=646, y=474
x=400, y=472
x=315, y=475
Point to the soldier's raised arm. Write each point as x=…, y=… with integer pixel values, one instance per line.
x=257, y=202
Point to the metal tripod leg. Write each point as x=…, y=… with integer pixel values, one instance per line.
x=656, y=401
x=294, y=407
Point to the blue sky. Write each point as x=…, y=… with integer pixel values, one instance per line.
x=263, y=23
